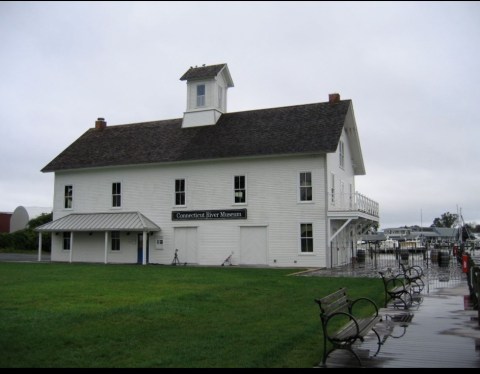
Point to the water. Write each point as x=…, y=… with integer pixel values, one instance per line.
x=439, y=272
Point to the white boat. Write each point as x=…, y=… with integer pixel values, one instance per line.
x=389, y=245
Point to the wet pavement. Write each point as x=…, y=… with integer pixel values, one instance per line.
x=441, y=331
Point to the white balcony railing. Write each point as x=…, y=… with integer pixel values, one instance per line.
x=356, y=202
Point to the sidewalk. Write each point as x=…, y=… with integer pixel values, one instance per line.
x=441, y=332
x=24, y=257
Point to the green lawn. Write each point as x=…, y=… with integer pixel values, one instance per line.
x=62, y=315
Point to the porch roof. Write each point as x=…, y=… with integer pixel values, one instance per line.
x=122, y=221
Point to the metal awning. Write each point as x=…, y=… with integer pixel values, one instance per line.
x=122, y=221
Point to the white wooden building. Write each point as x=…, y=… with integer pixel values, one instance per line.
x=272, y=187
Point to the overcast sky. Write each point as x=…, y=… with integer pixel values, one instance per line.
x=412, y=70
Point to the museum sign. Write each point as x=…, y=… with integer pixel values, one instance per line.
x=194, y=215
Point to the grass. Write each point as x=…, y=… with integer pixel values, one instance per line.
x=58, y=315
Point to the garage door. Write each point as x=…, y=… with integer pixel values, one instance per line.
x=253, y=245
x=186, y=243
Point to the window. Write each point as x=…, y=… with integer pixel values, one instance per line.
x=341, y=152
x=115, y=240
x=306, y=237
x=116, y=194
x=66, y=241
x=306, y=186
x=332, y=189
x=240, y=191
x=179, y=191
x=201, y=95
x=68, y=199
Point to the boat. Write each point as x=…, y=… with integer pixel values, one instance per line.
x=412, y=245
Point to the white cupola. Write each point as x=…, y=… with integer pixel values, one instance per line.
x=206, y=94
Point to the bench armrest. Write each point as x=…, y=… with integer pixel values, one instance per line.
x=413, y=271
x=342, y=316
x=393, y=282
x=416, y=271
x=400, y=279
x=363, y=299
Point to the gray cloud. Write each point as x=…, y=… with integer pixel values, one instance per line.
x=411, y=69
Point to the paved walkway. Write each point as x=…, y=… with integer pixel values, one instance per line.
x=24, y=257
x=441, y=332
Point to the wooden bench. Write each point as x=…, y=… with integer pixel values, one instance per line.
x=398, y=290
x=342, y=327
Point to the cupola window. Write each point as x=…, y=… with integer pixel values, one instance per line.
x=200, y=95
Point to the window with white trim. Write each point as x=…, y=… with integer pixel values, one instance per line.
x=115, y=240
x=68, y=197
x=306, y=186
x=66, y=241
x=116, y=194
x=200, y=95
x=240, y=189
x=306, y=237
x=180, y=192
x=332, y=189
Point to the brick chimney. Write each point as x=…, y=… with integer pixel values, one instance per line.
x=333, y=98
x=100, y=124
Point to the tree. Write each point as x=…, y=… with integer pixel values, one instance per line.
x=446, y=220
x=40, y=220
x=373, y=228
x=27, y=239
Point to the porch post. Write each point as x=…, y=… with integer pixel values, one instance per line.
x=71, y=246
x=39, y=246
x=329, y=243
x=144, y=248
x=106, y=247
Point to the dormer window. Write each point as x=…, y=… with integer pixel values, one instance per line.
x=200, y=95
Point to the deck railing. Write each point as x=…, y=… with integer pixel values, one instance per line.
x=355, y=202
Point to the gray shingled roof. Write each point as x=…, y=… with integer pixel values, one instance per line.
x=202, y=72
x=446, y=231
x=130, y=221
x=309, y=128
x=374, y=237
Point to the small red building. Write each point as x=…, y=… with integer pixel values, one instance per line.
x=5, y=221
